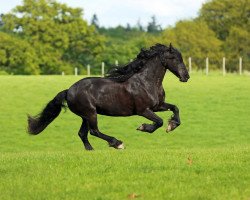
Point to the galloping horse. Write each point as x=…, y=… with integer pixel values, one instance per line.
x=134, y=89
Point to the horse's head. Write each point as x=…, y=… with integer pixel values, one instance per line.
x=172, y=60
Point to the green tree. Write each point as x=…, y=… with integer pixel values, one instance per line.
x=128, y=27
x=139, y=25
x=153, y=27
x=237, y=45
x=95, y=21
x=230, y=20
x=1, y=20
x=121, y=45
x=59, y=34
x=221, y=15
x=17, y=56
x=194, y=39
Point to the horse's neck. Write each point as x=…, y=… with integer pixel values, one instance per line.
x=153, y=73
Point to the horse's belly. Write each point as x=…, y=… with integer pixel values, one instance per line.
x=117, y=113
x=115, y=105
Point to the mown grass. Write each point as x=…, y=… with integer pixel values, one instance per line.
x=207, y=157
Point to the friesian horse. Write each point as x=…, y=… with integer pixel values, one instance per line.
x=134, y=89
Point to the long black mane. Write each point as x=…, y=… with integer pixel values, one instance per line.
x=121, y=74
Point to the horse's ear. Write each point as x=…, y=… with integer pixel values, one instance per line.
x=170, y=48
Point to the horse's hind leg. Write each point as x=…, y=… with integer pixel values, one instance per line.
x=83, y=134
x=113, y=142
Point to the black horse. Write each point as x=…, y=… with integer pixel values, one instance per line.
x=134, y=89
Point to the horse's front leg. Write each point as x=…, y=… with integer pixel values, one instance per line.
x=150, y=128
x=174, y=121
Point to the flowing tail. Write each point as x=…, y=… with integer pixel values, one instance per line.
x=38, y=123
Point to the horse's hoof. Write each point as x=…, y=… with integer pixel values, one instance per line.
x=89, y=148
x=121, y=146
x=117, y=144
x=141, y=128
x=171, y=126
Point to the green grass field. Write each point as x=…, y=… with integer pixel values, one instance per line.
x=207, y=157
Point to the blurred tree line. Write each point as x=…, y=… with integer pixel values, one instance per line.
x=47, y=37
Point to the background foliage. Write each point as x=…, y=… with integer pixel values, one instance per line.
x=47, y=37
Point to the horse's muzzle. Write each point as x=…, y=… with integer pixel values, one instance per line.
x=184, y=79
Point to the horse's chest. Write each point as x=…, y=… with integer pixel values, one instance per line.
x=160, y=96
